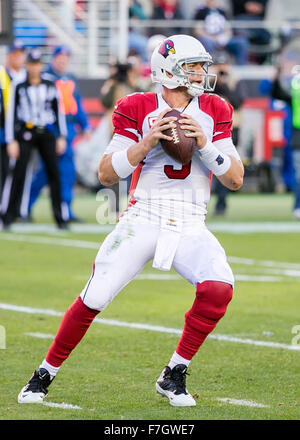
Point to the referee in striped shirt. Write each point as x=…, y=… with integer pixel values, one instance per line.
x=33, y=121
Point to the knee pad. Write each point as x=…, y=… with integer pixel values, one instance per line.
x=97, y=293
x=212, y=298
x=97, y=297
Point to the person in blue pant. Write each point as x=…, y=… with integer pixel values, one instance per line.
x=71, y=106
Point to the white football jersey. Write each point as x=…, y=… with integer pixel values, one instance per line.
x=160, y=186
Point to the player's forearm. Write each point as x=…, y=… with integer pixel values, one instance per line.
x=106, y=174
x=227, y=168
x=233, y=178
x=135, y=154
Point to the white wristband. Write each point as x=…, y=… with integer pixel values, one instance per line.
x=121, y=164
x=216, y=161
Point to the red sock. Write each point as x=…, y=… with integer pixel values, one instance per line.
x=212, y=298
x=73, y=327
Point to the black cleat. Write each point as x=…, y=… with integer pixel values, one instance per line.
x=4, y=226
x=63, y=225
x=171, y=384
x=36, y=388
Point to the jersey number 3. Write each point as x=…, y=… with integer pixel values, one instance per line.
x=178, y=174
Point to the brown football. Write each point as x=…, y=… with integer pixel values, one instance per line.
x=181, y=148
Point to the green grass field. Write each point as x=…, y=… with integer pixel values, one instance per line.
x=111, y=374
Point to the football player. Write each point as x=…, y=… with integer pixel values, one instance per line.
x=165, y=220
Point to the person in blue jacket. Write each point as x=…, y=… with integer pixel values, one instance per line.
x=279, y=102
x=76, y=118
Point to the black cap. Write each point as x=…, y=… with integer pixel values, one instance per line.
x=34, y=56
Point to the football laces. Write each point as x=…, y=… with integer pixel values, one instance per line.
x=175, y=135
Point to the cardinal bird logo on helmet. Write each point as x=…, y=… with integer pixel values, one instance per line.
x=166, y=47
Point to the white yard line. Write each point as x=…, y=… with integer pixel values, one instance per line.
x=96, y=245
x=269, y=344
x=238, y=277
x=258, y=278
x=228, y=227
x=242, y=402
x=52, y=241
x=45, y=228
x=284, y=268
x=264, y=263
x=174, y=277
x=40, y=335
x=278, y=271
x=255, y=227
x=155, y=328
x=61, y=405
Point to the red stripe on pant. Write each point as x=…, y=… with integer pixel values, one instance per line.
x=212, y=298
x=73, y=327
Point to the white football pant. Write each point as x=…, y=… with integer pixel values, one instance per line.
x=194, y=253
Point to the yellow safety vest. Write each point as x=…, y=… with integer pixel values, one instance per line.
x=5, y=86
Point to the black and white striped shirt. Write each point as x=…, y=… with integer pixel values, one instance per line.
x=37, y=105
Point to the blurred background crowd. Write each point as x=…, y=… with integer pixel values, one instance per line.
x=95, y=52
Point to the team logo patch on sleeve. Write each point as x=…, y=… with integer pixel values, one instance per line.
x=220, y=160
x=166, y=47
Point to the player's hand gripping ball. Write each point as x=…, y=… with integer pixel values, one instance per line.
x=181, y=148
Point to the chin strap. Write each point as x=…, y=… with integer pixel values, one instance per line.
x=194, y=93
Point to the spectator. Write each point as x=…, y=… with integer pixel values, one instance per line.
x=71, y=105
x=244, y=10
x=32, y=115
x=226, y=89
x=137, y=75
x=287, y=173
x=124, y=79
x=15, y=62
x=136, y=10
x=14, y=70
x=293, y=100
x=216, y=33
x=255, y=9
x=166, y=10
x=136, y=39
